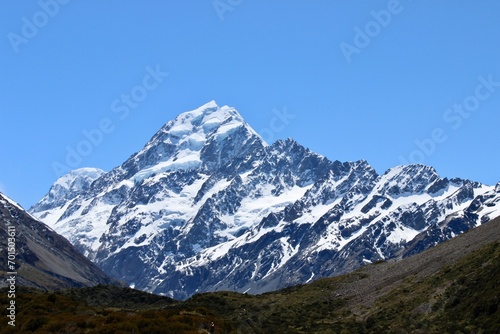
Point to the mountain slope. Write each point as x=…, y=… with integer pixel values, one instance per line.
x=43, y=259
x=207, y=205
x=450, y=288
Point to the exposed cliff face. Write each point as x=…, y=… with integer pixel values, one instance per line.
x=208, y=205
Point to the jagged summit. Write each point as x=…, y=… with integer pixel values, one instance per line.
x=208, y=205
x=203, y=139
x=198, y=125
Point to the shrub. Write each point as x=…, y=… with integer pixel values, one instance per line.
x=35, y=323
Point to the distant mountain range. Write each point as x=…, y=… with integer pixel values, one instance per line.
x=207, y=205
x=38, y=256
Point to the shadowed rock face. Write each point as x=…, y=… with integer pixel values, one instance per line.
x=43, y=258
x=207, y=205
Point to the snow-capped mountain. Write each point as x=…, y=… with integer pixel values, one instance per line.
x=208, y=205
x=68, y=187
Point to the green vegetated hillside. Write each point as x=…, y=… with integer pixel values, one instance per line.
x=451, y=288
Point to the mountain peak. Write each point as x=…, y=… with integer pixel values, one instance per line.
x=411, y=168
x=209, y=114
x=208, y=117
x=414, y=178
x=68, y=187
x=209, y=105
x=207, y=205
x=200, y=123
x=74, y=177
x=201, y=138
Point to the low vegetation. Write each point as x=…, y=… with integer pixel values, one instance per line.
x=461, y=297
x=104, y=310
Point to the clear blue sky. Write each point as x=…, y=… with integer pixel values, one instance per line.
x=385, y=81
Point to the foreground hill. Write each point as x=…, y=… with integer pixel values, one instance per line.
x=451, y=288
x=207, y=205
x=41, y=257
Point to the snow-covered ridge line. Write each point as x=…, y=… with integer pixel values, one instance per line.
x=206, y=204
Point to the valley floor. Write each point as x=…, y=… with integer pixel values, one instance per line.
x=451, y=288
